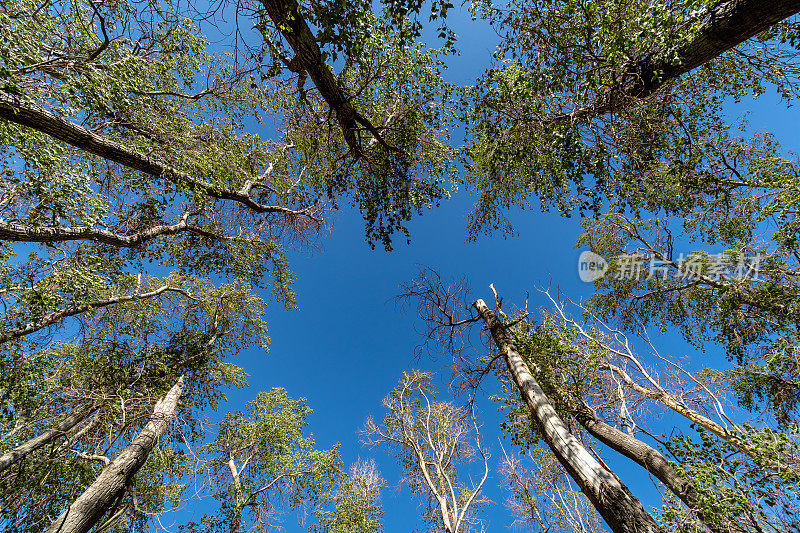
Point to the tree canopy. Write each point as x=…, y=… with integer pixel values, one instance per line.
x=160, y=160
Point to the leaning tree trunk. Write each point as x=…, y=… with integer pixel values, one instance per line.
x=90, y=506
x=621, y=510
x=23, y=450
x=286, y=16
x=651, y=459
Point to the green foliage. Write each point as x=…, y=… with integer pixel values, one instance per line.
x=564, y=372
x=533, y=132
x=754, y=317
x=128, y=356
x=130, y=264
x=730, y=487
x=261, y=459
x=353, y=504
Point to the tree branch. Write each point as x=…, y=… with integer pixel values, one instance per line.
x=30, y=114
x=57, y=316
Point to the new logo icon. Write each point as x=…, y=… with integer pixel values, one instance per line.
x=591, y=266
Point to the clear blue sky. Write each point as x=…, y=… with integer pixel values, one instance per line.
x=348, y=344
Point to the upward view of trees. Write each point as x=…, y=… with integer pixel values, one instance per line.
x=161, y=158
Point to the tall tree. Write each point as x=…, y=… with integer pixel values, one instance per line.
x=129, y=147
x=577, y=374
x=591, y=394
x=85, y=512
x=106, y=382
x=621, y=510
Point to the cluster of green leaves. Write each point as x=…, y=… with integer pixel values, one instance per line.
x=133, y=76
x=398, y=87
x=753, y=316
x=730, y=487
x=260, y=460
x=353, y=506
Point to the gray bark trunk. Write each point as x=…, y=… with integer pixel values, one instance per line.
x=286, y=15
x=86, y=511
x=32, y=115
x=23, y=450
x=621, y=510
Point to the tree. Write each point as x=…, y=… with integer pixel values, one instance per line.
x=430, y=439
x=577, y=370
x=352, y=505
x=621, y=107
x=621, y=510
x=594, y=393
x=128, y=149
x=85, y=512
x=129, y=357
x=262, y=459
x=137, y=117
x=616, y=104
x=751, y=315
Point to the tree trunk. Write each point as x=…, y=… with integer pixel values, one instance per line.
x=621, y=510
x=286, y=16
x=86, y=511
x=729, y=24
x=655, y=463
x=237, y=488
x=36, y=117
x=23, y=450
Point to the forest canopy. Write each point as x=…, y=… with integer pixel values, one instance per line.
x=166, y=164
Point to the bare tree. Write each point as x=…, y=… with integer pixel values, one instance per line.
x=432, y=440
x=542, y=495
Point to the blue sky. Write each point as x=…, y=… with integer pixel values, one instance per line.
x=348, y=344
